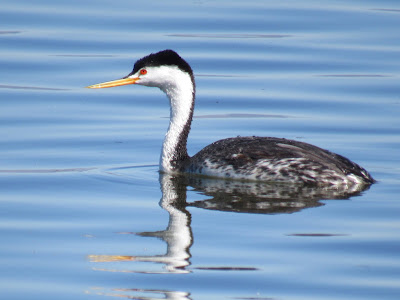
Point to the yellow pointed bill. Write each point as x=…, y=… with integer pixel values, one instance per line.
x=118, y=82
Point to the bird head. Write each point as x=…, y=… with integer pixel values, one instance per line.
x=163, y=69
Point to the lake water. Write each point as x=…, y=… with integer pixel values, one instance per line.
x=84, y=212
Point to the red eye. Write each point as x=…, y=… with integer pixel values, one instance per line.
x=143, y=72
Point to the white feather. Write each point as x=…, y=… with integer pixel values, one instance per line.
x=179, y=89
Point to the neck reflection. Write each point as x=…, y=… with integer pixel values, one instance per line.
x=178, y=235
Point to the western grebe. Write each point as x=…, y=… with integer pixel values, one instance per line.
x=245, y=158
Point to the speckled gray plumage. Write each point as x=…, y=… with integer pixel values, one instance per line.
x=275, y=159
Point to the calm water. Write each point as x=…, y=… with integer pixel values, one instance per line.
x=84, y=212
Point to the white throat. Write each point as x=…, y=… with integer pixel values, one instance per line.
x=180, y=90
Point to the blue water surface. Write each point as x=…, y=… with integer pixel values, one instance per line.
x=85, y=213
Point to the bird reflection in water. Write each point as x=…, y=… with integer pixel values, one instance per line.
x=177, y=235
x=222, y=195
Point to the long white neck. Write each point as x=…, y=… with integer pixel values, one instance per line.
x=180, y=90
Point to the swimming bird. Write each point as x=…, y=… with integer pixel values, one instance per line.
x=245, y=158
